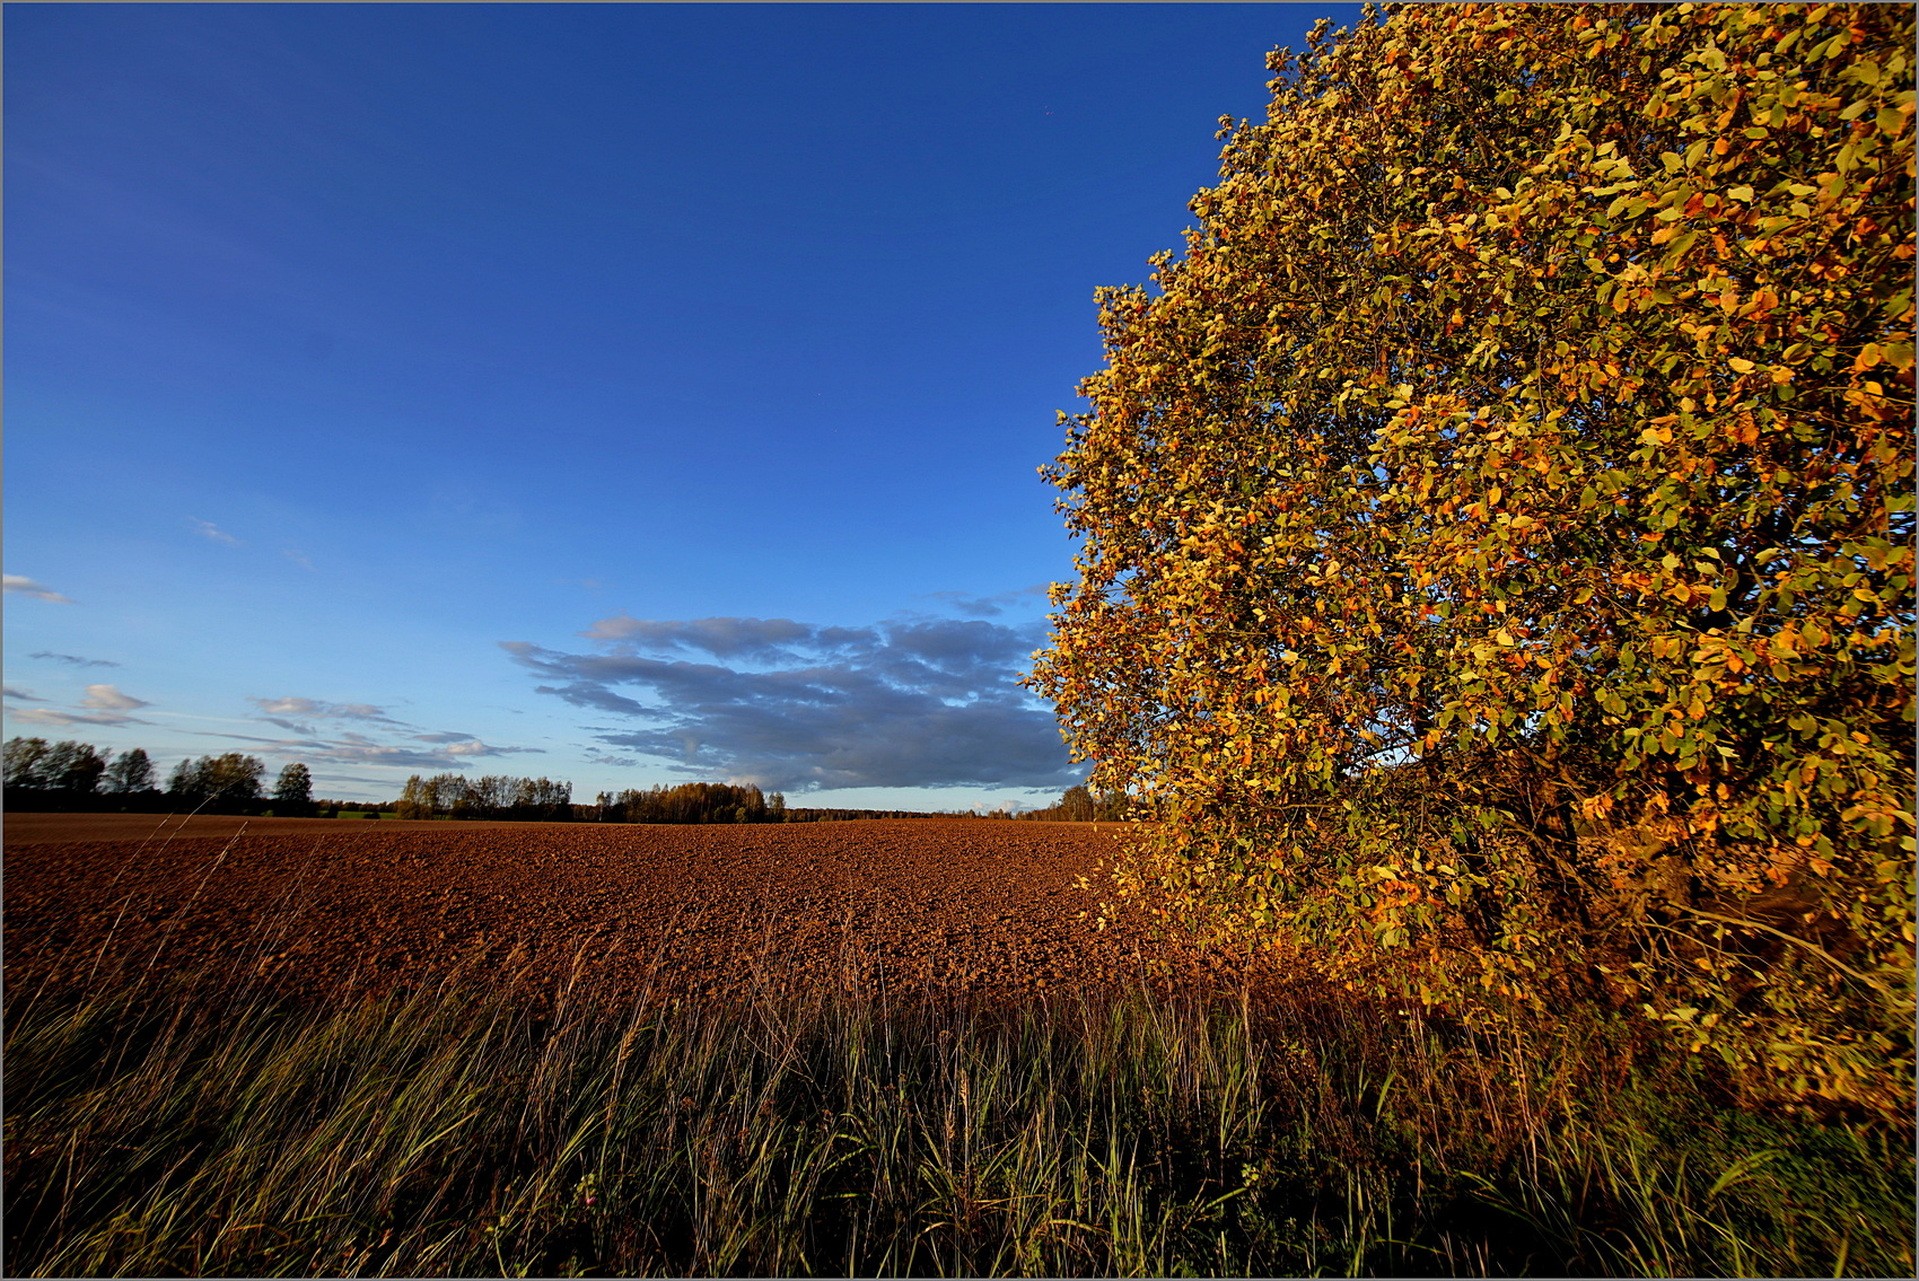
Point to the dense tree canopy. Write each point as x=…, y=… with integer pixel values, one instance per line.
x=694, y=803
x=230, y=780
x=24, y=760
x=293, y=792
x=70, y=774
x=489, y=796
x=131, y=773
x=67, y=766
x=1497, y=527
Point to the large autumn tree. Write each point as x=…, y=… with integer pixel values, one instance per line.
x=1496, y=526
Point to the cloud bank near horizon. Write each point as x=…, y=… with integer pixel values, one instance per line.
x=387, y=740
x=104, y=705
x=795, y=706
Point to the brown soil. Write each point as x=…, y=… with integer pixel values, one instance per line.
x=322, y=908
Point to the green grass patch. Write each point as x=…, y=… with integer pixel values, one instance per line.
x=211, y=1129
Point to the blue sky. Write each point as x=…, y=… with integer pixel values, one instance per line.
x=624, y=394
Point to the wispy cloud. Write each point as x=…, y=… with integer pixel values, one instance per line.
x=361, y=749
x=358, y=749
x=105, y=698
x=73, y=659
x=314, y=708
x=299, y=558
x=39, y=591
x=908, y=703
x=103, y=705
x=447, y=737
x=207, y=529
x=385, y=740
x=53, y=716
x=991, y=606
x=723, y=637
x=21, y=694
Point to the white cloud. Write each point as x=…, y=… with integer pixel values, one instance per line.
x=299, y=558
x=208, y=529
x=48, y=716
x=293, y=706
x=287, y=706
x=358, y=749
x=105, y=698
x=27, y=587
x=337, y=744
x=103, y=705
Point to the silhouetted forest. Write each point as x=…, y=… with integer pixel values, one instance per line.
x=71, y=775
x=77, y=776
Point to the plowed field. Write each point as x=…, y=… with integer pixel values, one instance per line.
x=329, y=907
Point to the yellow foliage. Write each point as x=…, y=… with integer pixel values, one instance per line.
x=1552, y=370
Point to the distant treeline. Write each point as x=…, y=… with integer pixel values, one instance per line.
x=500, y=797
x=1078, y=805
x=803, y=815
x=492, y=796
x=71, y=775
x=720, y=803
x=693, y=803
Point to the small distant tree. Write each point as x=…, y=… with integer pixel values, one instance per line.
x=294, y=791
x=130, y=773
x=416, y=799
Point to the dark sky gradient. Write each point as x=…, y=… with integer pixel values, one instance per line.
x=348, y=343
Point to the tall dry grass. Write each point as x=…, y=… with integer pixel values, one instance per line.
x=201, y=1125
